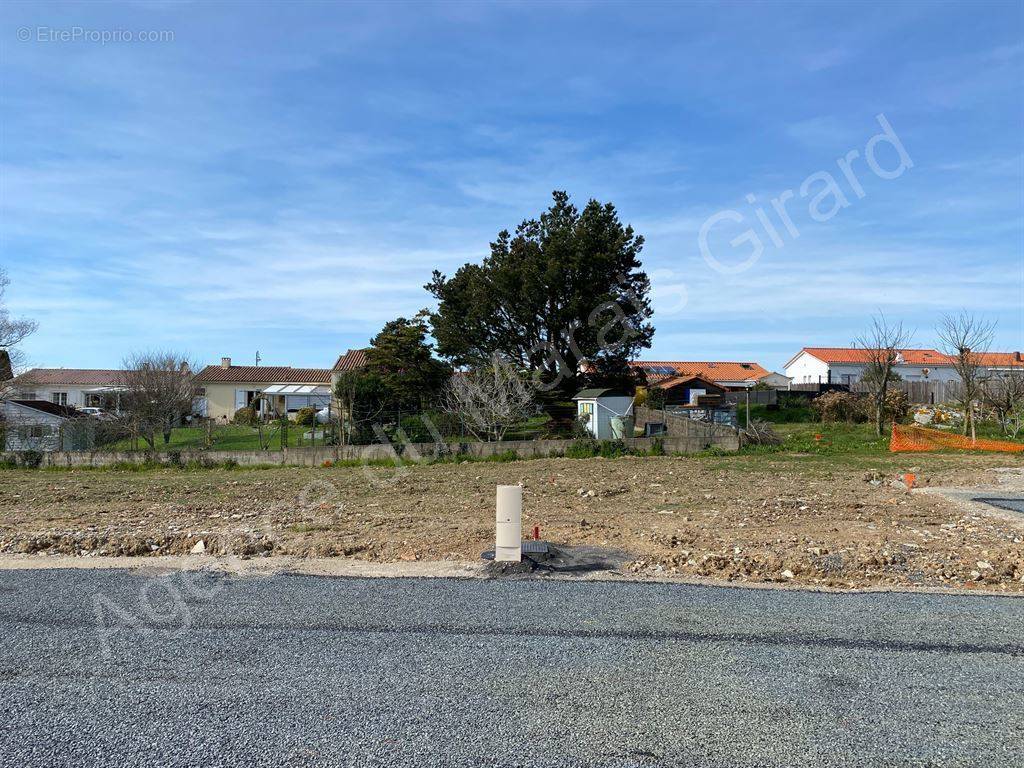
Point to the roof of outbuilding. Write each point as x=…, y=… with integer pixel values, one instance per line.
x=675, y=381
x=596, y=392
x=264, y=374
x=63, y=411
x=65, y=376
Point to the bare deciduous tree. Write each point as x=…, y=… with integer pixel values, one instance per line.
x=159, y=391
x=1005, y=396
x=965, y=338
x=882, y=344
x=490, y=399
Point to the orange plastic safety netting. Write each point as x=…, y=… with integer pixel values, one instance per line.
x=905, y=438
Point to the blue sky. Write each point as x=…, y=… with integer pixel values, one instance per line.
x=284, y=178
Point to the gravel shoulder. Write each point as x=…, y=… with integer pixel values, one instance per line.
x=821, y=522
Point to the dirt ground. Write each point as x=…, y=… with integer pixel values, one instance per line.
x=835, y=522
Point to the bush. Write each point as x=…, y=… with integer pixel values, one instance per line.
x=582, y=448
x=760, y=433
x=581, y=428
x=834, y=407
x=655, y=399
x=612, y=449
x=31, y=459
x=895, y=409
x=897, y=405
x=306, y=417
x=245, y=417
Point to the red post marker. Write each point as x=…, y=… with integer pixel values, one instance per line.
x=536, y=533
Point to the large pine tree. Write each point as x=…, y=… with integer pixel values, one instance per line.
x=566, y=289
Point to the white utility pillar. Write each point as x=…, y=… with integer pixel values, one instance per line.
x=508, y=538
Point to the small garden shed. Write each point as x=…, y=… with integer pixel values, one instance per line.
x=608, y=413
x=688, y=391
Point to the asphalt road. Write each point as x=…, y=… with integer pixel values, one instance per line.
x=110, y=668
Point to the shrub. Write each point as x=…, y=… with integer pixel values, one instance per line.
x=760, y=433
x=833, y=407
x=658, y=447
x=504, y=456
x=897, y=405
x=612, y=449
x=415, y=430
x=31, y=459
x=655, y=399
x=306, y=417
x=245, y=417
x=582, y=448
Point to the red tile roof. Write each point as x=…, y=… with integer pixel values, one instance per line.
x=712, y=371
x=351, y=360
x=675, y=381
x=1002, y=359
x=264, y=374
x=66, y=376
x=854, y=355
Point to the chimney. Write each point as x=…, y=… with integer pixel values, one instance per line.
x=225, y=362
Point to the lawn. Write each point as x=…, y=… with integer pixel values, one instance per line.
x=227, y=437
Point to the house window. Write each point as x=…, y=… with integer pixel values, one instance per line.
x=60, y=398
x=26, y=395
x=586, y=408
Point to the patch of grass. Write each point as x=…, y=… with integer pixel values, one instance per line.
x=309, y=527
x=790, y=410
x=225, y=437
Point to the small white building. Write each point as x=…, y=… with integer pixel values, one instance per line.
x=608, y=413
x=39, y=425
x=842, y=365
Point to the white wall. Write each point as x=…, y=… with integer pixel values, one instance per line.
x=807, y=369
x=76, y=394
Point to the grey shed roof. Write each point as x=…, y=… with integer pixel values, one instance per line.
x=592, y=394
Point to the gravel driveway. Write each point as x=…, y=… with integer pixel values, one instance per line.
x=116, y=668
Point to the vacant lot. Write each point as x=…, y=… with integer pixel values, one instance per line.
x=836, y=521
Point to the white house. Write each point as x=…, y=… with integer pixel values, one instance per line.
x=842, y=365
x=73, y=387
x=39, y=425
x=608, y=413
